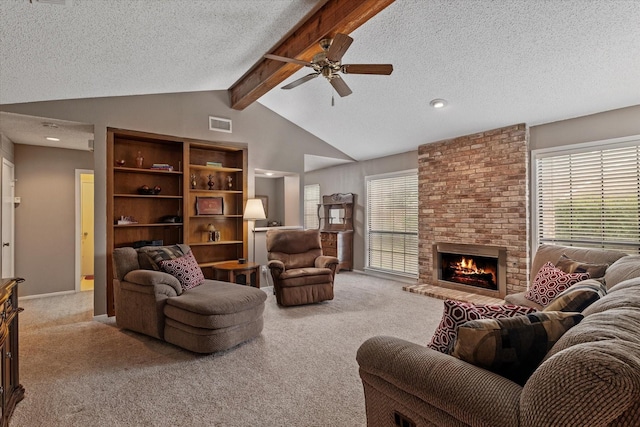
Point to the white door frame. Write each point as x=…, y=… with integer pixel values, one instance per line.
x=10, y=199
x=79, y=172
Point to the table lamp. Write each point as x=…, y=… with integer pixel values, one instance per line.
x=253, y=211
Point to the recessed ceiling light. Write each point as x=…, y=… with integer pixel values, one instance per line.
x=438, y=103
x=50, y=138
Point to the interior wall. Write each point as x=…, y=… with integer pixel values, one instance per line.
x=273, y=189
x=350, y=178
x=45, y=217
x=595, y=127
x=267, y=135
x=294, y=198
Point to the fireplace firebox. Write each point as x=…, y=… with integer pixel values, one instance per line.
x=471, y=268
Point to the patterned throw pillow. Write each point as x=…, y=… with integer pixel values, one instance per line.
x=512, y=347
x=150, y=259
x=568, y=265
x=578, y=297
x=457, y=313
x=185, y=269
x=549, y=282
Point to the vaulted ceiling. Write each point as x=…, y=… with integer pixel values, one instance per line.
x=495, y=62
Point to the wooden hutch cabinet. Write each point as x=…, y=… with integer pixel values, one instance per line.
x=166, y=190
x=335, y=215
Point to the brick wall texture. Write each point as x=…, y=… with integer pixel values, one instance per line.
x=474, y=190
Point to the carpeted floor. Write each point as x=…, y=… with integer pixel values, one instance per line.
x=81, y=371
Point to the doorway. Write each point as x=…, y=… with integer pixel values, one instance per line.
x=84, y=230
x=8, y=218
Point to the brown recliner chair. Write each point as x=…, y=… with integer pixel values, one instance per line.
x=301, y=274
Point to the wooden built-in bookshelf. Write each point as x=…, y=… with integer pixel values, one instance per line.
x=189, y=159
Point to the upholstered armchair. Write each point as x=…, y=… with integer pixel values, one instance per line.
x=301, y=274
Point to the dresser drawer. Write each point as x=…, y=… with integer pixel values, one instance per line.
x=329, y=240
x=330, y=252
x=329, y=244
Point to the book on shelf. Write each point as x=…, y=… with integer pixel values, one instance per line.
x=214, y=164
x=162, y=166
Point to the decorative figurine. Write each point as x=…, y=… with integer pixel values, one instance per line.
x=211, y=229
x=211, y=183
x=139, y=160
x=230, y=182
x=194, y=183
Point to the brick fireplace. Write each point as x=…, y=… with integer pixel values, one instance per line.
x=473, y=190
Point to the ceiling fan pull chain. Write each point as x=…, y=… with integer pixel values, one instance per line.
x=333, y=102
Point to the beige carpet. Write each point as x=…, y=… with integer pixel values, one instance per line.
x=81, y=371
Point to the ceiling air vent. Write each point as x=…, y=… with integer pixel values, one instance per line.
x=58, y=2
x=219, y=124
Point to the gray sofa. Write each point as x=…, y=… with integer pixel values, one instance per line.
x=590, y=377
x=211, y=317
x=552, y=253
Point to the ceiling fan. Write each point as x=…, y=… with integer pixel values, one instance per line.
x=327, y=64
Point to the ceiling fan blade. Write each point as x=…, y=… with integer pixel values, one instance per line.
x=339, y=46
x=301, y=80
x=285, y=59
x=340, y=86
x=384, y=69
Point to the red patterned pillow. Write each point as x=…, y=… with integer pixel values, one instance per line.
x=185, y=269
x=457, y=313
x=550, y=282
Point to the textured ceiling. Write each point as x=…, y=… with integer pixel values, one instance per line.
x=95, y=48
x=495, y=62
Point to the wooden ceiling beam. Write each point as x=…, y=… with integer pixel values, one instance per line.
x=335, y=16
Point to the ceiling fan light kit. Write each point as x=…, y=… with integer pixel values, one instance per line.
x=327, y=64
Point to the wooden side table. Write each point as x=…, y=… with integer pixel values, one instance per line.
x=234, y=272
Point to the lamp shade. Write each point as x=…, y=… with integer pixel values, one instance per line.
x=210, y=227
x=254, y=210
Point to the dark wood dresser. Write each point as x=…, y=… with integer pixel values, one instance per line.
x=11, y=391
x=340, y=245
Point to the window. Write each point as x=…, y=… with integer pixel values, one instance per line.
x=311, y=201
x=589, y=195
x=392, y=223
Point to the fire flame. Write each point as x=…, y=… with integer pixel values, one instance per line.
x=469, y=266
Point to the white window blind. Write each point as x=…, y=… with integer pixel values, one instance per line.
x=590, y=198
x=392, y=223
x=311, y=201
